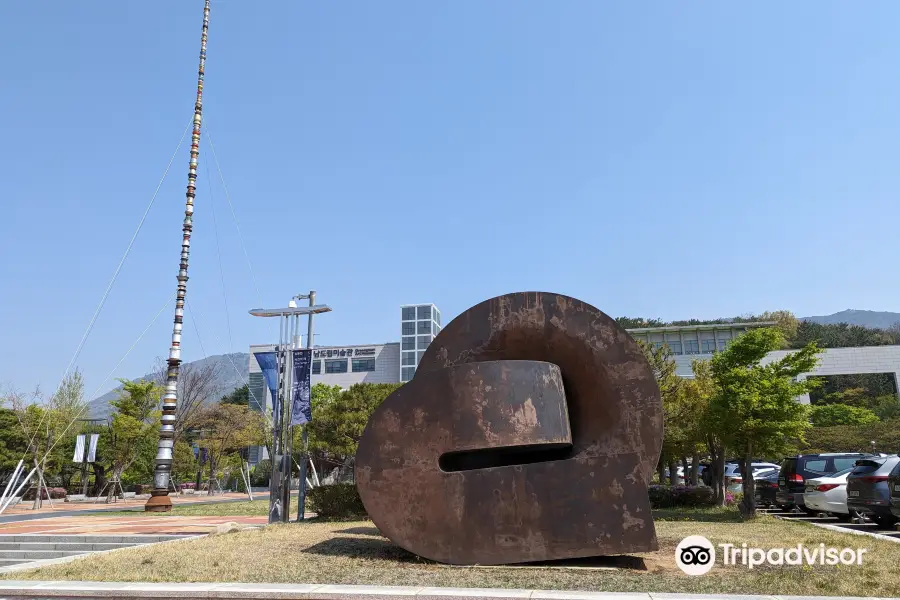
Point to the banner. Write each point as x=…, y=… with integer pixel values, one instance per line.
x=92, y=449
x=268, y=363
x=301, y=407
x=79, y=449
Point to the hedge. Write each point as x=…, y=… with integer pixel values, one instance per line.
x=681, y=496
x=854, y=438
x=336, y=502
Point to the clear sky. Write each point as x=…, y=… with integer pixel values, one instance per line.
x=662, y=159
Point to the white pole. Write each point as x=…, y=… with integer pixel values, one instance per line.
x=18, y=489
x=12, y=480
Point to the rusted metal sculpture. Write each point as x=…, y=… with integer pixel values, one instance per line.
x=529, y=433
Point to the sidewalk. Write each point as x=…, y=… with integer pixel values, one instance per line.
x=253, y=591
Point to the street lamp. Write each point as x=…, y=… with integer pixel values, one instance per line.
x=282, y=440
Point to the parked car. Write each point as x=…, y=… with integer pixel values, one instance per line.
x=795, y=470
x=766, y=485
x=828, y=494
x=894, y=484
x=868, y=492
x=734, y=478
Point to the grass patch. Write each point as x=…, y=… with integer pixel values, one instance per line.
x=218, y=509
x=355, y=553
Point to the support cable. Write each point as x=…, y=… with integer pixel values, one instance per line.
x=212, y=204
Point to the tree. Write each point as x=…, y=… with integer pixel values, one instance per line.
x=339, y=418
x=198, y=383
x=785, y=321
x=129, y=439
x=662, y=364
x=754, y=404
x=225, y=430
x=240, y=396
x=887, y=407
x=829, y=415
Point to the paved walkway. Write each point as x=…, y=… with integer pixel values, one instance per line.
x=92, y=589
x=154, y=524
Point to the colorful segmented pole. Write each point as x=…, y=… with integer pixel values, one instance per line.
x=159, y=499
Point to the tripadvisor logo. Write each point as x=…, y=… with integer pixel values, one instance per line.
x=696, y=555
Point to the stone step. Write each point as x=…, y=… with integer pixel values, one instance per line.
x=8, y=562
x=37, y=554
x=69, y=546
x=91, y=539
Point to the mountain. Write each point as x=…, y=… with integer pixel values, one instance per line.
x=865, y=318
x=230, y=372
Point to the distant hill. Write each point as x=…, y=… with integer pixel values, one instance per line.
x=864, y=318
x=231, y=371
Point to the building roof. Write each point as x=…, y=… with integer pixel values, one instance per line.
x=706, y=327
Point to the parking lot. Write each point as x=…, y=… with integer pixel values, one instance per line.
x=842, y=525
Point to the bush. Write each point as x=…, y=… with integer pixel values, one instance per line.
x=681, y=496
x=140, y=488
x=336, y=502
x=854, y=438
x=259, y=476
x=829, y=415
x=733, y=499
x=56, y=493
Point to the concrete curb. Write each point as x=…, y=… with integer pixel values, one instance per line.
x=839, y=529
x=267, y=591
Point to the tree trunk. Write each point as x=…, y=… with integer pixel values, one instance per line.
x=695, y=466
x=717, y=469
x=99, y=479
x=685, y=469
x=748, y=503
x=661, y=471
x=673, y=472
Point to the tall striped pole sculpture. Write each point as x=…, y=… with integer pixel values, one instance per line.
x=159, y=499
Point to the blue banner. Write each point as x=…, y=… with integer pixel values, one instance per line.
x=268, y=362
x=301, y=405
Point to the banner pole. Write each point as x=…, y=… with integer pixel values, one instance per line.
x=301, y=493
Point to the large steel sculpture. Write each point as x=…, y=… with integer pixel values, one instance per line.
x=529, y=433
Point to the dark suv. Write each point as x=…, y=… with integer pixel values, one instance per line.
x=797, y=469
x=894, y=485
x=868, y=489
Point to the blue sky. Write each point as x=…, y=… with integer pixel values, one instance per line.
x=661, y=159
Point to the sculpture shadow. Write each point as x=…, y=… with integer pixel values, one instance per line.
x=362, y=531
x=621, y=561
x=370, y=548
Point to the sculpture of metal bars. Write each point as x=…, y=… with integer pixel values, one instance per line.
x=528, y=433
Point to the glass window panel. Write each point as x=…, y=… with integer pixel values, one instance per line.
x=424, y=340
x=409, y=328
x=437, y=316
x=409, y=359
x=675, y=347
x=722, y=344
x=409, y=343
x=407, y=373
x=708, y=346
x=425, y=312
x=691, y=347
x=424, y=327
x=409, y=313
x=336, y=366
x=317, y=367
x=361, y=365
x=419, y=358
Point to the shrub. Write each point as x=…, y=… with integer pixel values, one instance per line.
x=56, y=493
x=733, y=499
x=681, y=496
x=336, y=502
x=140, y=488
x=829, y=415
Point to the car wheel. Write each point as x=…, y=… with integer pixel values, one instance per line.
x=885, y=522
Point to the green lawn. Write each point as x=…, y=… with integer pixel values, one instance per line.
x=219, y=509
x=356, y=553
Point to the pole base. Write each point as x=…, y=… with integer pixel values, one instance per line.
x=159, y=501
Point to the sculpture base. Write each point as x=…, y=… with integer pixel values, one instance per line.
x=158, y=502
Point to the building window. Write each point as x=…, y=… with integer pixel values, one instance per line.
x=425, y=312
x=361, y=365
x=407, y=373
x=675, y=347
x=424, y=327
x=317, y=367
x=691, y=347
x=409, y=343
x=424, y=340
x=658, y=345
x=409, y=328
x=409, y=359
x=437, y=329
x=336, y=366
x=437, y=316
x=723, y=344
x=708, y=346
x=421, y=354
x=409, y=313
